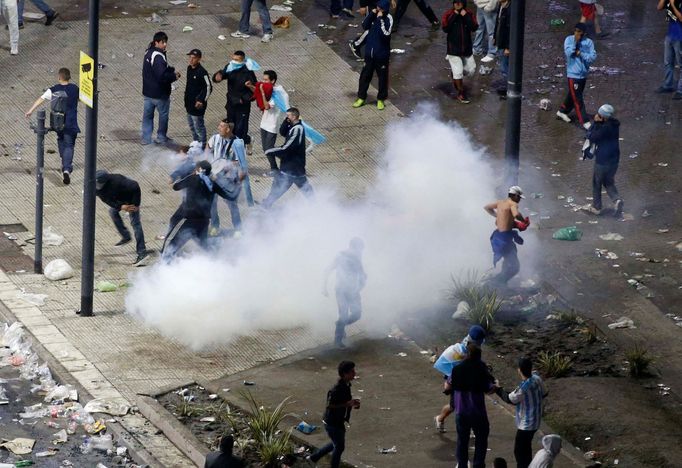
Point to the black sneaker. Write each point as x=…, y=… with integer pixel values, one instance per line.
x=50, y=18
x=355, y=50
x=664, y=90
x=66, y=178
x=677, y=96
x=348, y=12
x=141, y=259
x=618, y=207
x=123, y=241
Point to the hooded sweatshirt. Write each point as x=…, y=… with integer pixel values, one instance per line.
x=604, y=135
x=578, y=66
x=157, y=75
x=378, y=41
x=118, y=190
x=459, y=29
x=551, y=446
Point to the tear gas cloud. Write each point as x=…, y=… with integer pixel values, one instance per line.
x=421, y=219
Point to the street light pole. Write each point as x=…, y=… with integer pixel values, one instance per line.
x=40, y=171
x=514, y=82
x=89, y=194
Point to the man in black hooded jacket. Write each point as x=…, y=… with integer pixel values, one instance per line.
x=123, y=194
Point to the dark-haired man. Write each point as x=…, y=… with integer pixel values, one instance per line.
x=197, y=90
x=580, y=54
x=224, y=457
x=157, y=77
x=66, y=137
x=340, y=403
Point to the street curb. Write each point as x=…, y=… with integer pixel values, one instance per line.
x=122, y=436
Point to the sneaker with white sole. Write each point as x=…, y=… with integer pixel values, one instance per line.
x=488, y=58
x=240, y=35
x=142, y=259
x=14, y=50
x=267, y=37
x=618, y=208
x=591, y=209
x=440, y=425
x=562, y=116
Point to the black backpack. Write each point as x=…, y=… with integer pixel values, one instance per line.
x=58, y=111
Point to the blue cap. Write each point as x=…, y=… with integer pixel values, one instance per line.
x=477, y=334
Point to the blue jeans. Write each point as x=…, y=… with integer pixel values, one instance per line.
x=486, y=26
x=350, y=311
x=281, y=184
x=504, y=63
x=245, y=21
x=234, y=213
x=66, y=142
x=163, y=107
x=336, y=446
x=335, y=8
x=40, y=4
x=197, y=127
x=672, y=54
x=481, y=428
x=123, y=231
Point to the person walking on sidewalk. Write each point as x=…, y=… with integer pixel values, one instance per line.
x=50, y=13
x=458, y=23
x=197, y=90
x=292, y=156
x=66, y=96
x=237, y=73
x=424, y=7
x=527, y=398
x=245, y=21
x=123, y=194
x=8, y=9
x=672, y=47
x=340, y=403
x=484, y=40
x=377, y=53
x=471, y=380
x=157, y=77
x=603, y=135
x=589, y=14
x=580, y=54
x=350, y=280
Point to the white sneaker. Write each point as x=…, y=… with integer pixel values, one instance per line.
x=440, y=425
x=488, y=58
x=267, y=37
x=562, y=116
x=240, y=35
x=14, y=50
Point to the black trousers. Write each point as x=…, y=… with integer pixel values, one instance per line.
x=523, y=448
x=604, y=176
x=381, y=69
x=184, y=231
x=424, y=7
x=574, y=99
x=239, y=114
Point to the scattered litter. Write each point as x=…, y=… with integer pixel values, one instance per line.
x=58, y=269
x=113, y=406
x=249, y=384
x=662, y=164
x=47, y=453
x=397, y=51
x=423, y=351
x=187, y=29
x=52, y=237
x=462, y=310
x=536, y=195
x=603, y=253
x=19, y=446
x=402, y=354
x=634, y=155
x=557, y=22
x=209, y=419
x=329, y=41
x=645, y=214
x=388, y=450
x=545, y=104
x=556, y=174
x=106, y=286
x=280, y=8
x=611, y=236
x=60, y=437
x=121, y=451
x=678, y=246
x=283, y=22
x=570, y=233
x=129, y=55
x=622, y=322
x=154, y=18
x=177, y=2
x=663, y=231
x=35, y=299
x=212, y=396
x=306, y=428
x=484, y=70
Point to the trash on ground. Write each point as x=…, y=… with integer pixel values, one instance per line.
x=611, y=236
x=35, y=299
x=623, y=322
x=187, y=29
x=545, y=104
x=154, y=18
x=401, y=354
x=305, y=428
x=570, y=233
x=208, y=419
x=397, y=51
x=52, y=237
x=177, y=2
x=462, y=310
x=58, y=269
x=47, y=453
x=603, y=253
x=662, y=231
x=645, y=214
x=113, y=406
x=557, y=22
x=60, y=437
x=106, y=286
x=388, y=450
x=283, y=22
x=248, y=383
x=280, y=8
x=19, y=446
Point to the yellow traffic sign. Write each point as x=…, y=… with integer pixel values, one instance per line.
x=87, y=73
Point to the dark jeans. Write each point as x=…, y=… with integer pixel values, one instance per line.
x=604, y=176
x=523, y=448
x=40, y=4
x=281, y=184
x=481, y=427
x=186, y=230
x=125, y=233
x=335, y=8
x=381, y=68
x=234, y=213
x=66, y=141
x=424, y=7
x=239, y=114
x=197, y=127
x=574, y=99
x=337, y=446
x=245, y=20
x=350, y=311
x=268, y=141
x=510, y=265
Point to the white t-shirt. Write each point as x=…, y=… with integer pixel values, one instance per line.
x=273, y=117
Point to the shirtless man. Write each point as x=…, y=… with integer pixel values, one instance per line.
x=504, y=239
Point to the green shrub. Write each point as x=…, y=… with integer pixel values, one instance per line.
x=483, y=310
x=553, y=364
x=639, y=361
x=263, y=424
x=467, y=288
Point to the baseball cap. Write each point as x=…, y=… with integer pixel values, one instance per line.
x=196, y=52
x=477, y=334
x=516, y=190
x=606, y=110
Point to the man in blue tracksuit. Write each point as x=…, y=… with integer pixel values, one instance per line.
x=377, y=53
x=157, y=77
x=580, y=54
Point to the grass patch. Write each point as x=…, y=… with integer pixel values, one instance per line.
x=270, y=442
x=467, y=288
x=639, y=361
x=568, y=317
x=554, y=364
x=484, y=310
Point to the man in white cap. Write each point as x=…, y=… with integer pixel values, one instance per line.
x=603, y=136
x=504, y=239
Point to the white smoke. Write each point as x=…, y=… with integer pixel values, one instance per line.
x=422, y=221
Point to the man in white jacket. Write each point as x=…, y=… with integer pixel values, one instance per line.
x=8, y=9
x=486, y=16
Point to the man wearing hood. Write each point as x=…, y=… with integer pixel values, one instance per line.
x=237, y=74
x=458, y=23
x=603, y=135
x=123, y=194
x=551, y=446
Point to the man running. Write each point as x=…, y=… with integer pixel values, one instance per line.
x=504, y=239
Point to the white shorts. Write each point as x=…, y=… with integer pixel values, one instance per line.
x=461, y=66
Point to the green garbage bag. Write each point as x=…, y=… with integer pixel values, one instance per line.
x=570, y=233
x=106, y=286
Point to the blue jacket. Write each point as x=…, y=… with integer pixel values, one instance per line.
x=604, y=135
x=157, y=76
x=579, y=66
x=378, y=42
